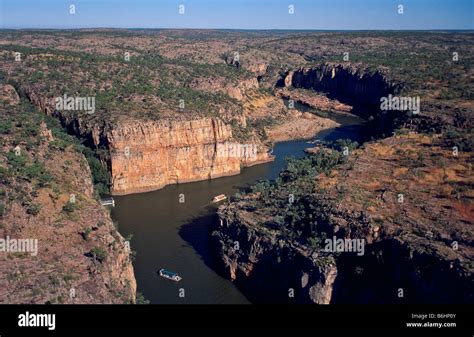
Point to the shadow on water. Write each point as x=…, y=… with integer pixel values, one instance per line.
x=197, y=233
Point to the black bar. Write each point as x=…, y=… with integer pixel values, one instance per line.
x=133, y=318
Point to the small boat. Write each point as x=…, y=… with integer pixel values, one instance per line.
x=170, y=275
x=108, y=202
x=218, y=198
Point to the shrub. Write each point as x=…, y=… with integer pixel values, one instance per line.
x=262, y=186
x=38, y=171
x=6, y=126
x=341, y=144
x=100, y=174
x=313, y=242
x=3, y=174
x=33, y=209
x=70, y=207
x=44, y=180
x=237, y=196
x=17, y=162
x=86, y=232
x=141, y=299
x=99, y=254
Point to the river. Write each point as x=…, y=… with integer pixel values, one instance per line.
x=174, y=235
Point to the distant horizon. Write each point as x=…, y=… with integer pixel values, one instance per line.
x=245, y=29
x=266, y=15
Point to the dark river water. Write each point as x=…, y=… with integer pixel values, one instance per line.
x=173, y=235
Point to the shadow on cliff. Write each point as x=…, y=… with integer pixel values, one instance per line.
x=390, y=272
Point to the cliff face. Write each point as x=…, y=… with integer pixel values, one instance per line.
x=347, y=84
x=149, y=155
x=269, y=268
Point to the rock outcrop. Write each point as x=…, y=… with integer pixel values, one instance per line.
x=300, y=126
x=236, y=90
x=314, y=100
x=8, y=95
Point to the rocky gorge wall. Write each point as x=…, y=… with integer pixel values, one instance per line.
x=271, y=269
x=346, y=84
x=147, y=156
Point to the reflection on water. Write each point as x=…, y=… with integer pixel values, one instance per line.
x=173, y=235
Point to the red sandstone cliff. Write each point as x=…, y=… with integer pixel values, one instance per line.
x=150, y=155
